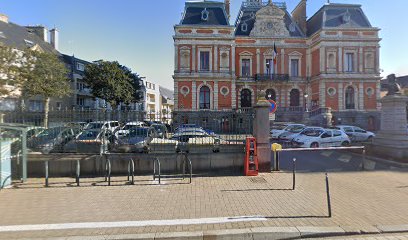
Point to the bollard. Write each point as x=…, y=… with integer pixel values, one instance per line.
x=363, y=160
x=294, y=174
x=328, y=196
x=78, y=171
x=46, y=173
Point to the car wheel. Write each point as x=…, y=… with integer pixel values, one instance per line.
x=370, y=139
x=314, y=145
x=345, y=144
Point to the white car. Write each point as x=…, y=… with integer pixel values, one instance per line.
x=125, y=129
x=275, y=132
x=356, y=134
x=110, y=125
x=322, y=138
x=295, y=132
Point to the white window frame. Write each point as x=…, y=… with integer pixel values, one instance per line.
x=80, y=67
x=354, y=52
x=245, y=55
x=295, y=56
x=210, y=60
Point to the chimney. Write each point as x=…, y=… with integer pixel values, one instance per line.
x=40, y=31
x=227, y=8
x=4, y=18
x=54, y=38
x=299, y=15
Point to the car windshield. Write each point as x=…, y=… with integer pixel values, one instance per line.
x=312, y=132
x=296, y=129
x=138, y=132
x=94, y=125
x=130, y=126
x=88, y=135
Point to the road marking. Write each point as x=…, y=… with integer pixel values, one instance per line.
x=327, y=154
x=93, y=225
x=344, y=158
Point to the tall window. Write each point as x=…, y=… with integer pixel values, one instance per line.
x=204, y=97
x=246, y=98
x=350, y=103
x=294, y=67
x=271, y=94
x=246, y=67
x=294, y=98
x=269, y=66
x=349, y=62
x=205, y=61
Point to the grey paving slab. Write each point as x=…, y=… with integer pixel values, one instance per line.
x=228, y=234
x=272, y=233
x=393, y=228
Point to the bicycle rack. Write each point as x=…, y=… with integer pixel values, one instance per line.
x=156, y=162
x=108, y=170
x=77, y=172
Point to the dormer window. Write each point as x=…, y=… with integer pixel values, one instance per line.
x=346, y=17
x=204, y=14
x=244, y=27
x=28, y=43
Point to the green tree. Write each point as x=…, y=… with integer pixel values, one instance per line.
x=112, y=82
x=10, y=73
x=46, y=76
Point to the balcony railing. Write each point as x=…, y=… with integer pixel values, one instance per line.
x=271, y=77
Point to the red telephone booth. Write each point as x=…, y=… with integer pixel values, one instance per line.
x=251, y=157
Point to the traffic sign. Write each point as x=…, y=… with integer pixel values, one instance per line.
x=273, y=107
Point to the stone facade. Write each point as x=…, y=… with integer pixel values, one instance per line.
x=330, y=60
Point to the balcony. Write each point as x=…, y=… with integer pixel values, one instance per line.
x=272, y=77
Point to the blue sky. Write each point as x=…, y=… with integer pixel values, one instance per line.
x=138, y=33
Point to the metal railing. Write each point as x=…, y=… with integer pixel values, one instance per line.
x=271, y=77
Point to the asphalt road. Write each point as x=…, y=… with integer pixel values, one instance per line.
x=328, y=161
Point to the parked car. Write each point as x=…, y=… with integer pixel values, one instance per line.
x=278, y=130
x=52, y=140
x=80, y=125
x=315, y=138
x=92, y=141
x=161, y=130
x=356, y=134
x=291, y=133
x=294, y=132
x=196, y=136
x=124, y=130
x=110, y=125
x=187, y=127
x=137, y=139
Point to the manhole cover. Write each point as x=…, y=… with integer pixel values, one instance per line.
x=258, y=180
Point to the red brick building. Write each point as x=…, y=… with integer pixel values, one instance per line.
x=330, y=60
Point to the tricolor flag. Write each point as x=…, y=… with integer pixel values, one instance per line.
x=274, y=54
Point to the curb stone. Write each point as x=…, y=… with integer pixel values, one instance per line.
x=393, y=228
x=272, y=233
x=259, y=233
x=228, y=234
x=320, y=231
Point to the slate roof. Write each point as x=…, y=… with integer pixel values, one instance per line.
x=216, y=16
x=247, y=15
x=19, y=37
x=331, y=16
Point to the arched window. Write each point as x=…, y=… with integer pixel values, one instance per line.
x=204, y=97
x=294, y=98
x=246, y=98
x=350, y=103
x=270, y=95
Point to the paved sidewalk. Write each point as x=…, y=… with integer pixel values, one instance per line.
x=362, y=202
